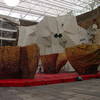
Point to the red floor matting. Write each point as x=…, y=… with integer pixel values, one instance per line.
x=44, y=79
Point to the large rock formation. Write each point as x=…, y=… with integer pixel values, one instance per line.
x=53, y=63
x=49, y=63
x=53, y=34
x=29, y=60
x=18, y=62
x=84, y=58
x=9, y=62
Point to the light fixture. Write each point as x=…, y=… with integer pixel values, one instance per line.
x=12, y=2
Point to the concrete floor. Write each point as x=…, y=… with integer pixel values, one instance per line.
x=85, y=90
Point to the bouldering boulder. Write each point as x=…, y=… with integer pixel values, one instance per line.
x=52, y=63
x=61, y=61
x=18, y=62
x=9, y=62
x=84, y=58
x=29, y=60
x=49, y=63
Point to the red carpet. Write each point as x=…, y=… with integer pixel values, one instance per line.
x=44, y=79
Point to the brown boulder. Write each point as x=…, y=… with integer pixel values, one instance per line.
x=53, y=63
x=18, y=62
x=84, y=58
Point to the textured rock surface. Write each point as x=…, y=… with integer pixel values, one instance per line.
x=9, y=62
x=18, y=62
x=54, y=62
x=84, y=58
x=61, y=61
x=49, y=63
x=29, y=60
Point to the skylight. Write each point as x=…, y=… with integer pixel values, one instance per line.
x=35, y=10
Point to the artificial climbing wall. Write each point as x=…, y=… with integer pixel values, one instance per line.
x=87, y=19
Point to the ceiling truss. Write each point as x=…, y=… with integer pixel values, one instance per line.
x=35, y=10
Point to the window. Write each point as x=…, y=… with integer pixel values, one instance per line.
x=8, y=34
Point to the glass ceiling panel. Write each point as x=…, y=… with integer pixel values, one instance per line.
x=35, y=10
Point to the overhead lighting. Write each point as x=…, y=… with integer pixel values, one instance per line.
x=12, y=2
